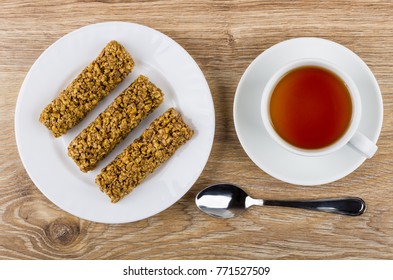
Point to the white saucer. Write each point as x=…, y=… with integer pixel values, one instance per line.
x=271, y=157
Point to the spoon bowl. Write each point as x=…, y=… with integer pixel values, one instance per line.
x=228, y=201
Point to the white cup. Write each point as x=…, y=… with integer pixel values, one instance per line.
x=351, y=136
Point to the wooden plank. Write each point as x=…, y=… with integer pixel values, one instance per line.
x=223, y=37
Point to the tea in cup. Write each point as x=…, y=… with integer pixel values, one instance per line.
x=313, y=108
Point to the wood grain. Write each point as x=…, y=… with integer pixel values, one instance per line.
x=223, y=37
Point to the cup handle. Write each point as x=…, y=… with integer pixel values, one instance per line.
x=364, y=145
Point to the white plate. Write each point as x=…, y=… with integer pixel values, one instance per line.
x=271, y=157
x=45, y=158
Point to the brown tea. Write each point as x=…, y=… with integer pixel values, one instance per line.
x=310, y=107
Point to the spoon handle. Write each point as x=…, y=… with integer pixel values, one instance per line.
x=351, y=206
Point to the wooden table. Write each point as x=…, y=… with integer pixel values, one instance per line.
x=223, y=37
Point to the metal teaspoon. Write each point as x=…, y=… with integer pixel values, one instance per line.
x=227, y=201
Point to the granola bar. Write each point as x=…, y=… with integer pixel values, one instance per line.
x=156, y=145
x=115, y=123
x=95, y=82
